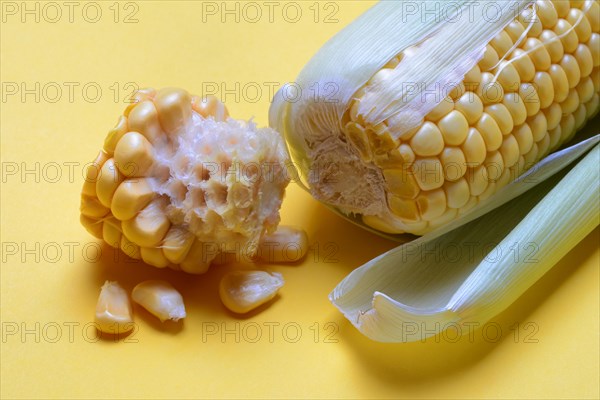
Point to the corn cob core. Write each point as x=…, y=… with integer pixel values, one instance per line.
x=179, y=182
x=537, y=83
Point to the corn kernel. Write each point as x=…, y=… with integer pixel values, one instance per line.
x=113, y=310
x=286, y=244
x=160, y=298
x=243, y=291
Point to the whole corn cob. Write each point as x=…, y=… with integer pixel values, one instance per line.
x=534, y=85
x=178, y=182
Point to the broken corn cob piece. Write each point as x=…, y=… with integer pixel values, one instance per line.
x=178, y=182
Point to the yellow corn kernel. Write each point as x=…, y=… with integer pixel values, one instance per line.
x=149, y=227
x=501, y=115
x=508, y=76
x=510, y=151
x=143, y=118
x=130, y=197
x=585, y=60
x=490, y=132
x=489, y=60
x=470, y=105
x=594, y=46
x=474, y=147
x=454, y=128
x=401, y=182
x=489, y=90
x=529, y=94
x=457, y=193
x=524, y=137
x=160, y=298
x=210, y=106
x=494, y=166
x=427, y=141
x=198, y=259
x=428, y=173
x=581, y=25
x=114, y=135
x=547, y=13
x=431, y=204
x=516, y=107
x=553, y=45
x=154, y=256
x=113, y=310
x=92, y=225
x=129, y=248
x=243, y=291
x=538, y=125
x=454, y=163
x=440, y=110
x=108, y=181
x=174, y=108
x=92, y=174
x=523, y=64
x=538, y=53
x=562, y=7
x=531, y=20
x=585, y=89
x=286, y=244
x=134, y=155
x=567, y=34
x=571, y=67
x=406, y=209
x=92, y=208
x=177, y=244
x=112, y=232
x=515, y=30
x=502, y=43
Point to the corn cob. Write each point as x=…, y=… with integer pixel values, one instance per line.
x=179, y=182
x=535, y=85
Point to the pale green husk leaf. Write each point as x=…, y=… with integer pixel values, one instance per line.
x=470, y=274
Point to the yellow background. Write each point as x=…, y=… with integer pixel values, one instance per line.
x=171, y=45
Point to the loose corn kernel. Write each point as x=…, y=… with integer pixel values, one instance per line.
x=113, y=310
x=160, y=298
x=243, y=291
x=286, y=244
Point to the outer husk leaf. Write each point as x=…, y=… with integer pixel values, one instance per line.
x=421, y=288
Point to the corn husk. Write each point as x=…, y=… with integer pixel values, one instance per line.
x=472, y=273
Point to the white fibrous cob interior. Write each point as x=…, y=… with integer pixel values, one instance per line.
x=224, y=179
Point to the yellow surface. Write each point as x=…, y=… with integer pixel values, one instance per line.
x=53, y=297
